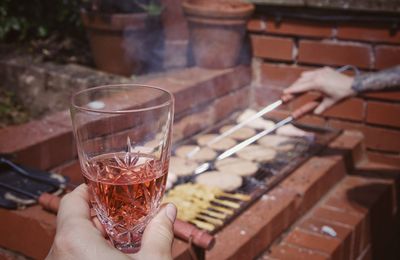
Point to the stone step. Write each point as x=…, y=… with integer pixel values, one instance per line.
x=355, y=220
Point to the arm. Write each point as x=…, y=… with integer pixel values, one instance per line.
x=385, y=79
x=337, y=86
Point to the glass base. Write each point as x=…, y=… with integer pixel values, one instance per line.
x=128, y=248
x=128, y=242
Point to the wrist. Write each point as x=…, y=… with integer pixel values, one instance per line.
x=356, y=85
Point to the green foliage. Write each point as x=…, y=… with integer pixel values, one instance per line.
x=152, y=7
x=10, y=111
x=30, y=19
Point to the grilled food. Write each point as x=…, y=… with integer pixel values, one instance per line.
x=204, y=154
x=221, y=180
x=221, y=145
x=277, y=142
x=240, y=134
x=257, y=153
x=236, y=166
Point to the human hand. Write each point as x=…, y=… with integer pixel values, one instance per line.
x=334, y=85
x=78, y=237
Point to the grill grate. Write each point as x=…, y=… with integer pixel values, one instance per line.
x=268, y=174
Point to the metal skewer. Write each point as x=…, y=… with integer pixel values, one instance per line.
x=260, y=113
x=295, y=115
x=284, y=99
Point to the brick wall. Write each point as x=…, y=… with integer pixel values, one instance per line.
x=283, y=49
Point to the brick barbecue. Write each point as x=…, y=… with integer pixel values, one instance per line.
x=350, y=187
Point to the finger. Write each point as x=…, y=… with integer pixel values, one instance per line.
x=309, y=73
x=99, y=226
x=75, y=204
x=325, y=104
x=299, y=87
x=159, y=233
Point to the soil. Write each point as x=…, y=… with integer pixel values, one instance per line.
x=59, y=49
x=11, y=111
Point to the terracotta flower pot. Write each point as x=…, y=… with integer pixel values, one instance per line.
x=217, y=29
x=119, y=42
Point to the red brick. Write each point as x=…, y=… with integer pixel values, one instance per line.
x=366, y=254
x=383, y=139
x=41, y=144
x=293, y=252
x=191, y=124
x=346, y=125
x=383, y=95
x=374, y=200
x=175, y=54
x=174, y=23
x=387, y=56
x=350, y=144
x=300, y=28
x=195, y=86
x=312, y=120
x=379, y=196
x=278, y=114
x=367, y=33
x=279, y=75
x=276, y=48
x=313, y=241
x=265, y=96
x=344, y=219
x=314, y=178
x=342, y=234
x=351, y=109
x=390, y=160
x=252, y=231
x=381, y=113
x=256, y=25
x=236, y=100
x=334, y=53
x=29, y=231
x=303, y=99
x=368, y=166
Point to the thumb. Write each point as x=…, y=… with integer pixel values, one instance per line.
x=159, y=234
x=326, y=103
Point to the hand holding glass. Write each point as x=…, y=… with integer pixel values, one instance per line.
x=123, y=135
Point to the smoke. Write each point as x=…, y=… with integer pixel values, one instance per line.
x=144, y=47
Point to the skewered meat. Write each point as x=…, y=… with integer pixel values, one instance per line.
x=181, y=167
x=258, y=123
x=257, y=153
x=277, y=142
x=236, y=166
x=240, y=134
x=221, y=145
x=221, y=180
x=204, y=154
x=292, y=131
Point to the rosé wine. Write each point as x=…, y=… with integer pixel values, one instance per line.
x=126, y=191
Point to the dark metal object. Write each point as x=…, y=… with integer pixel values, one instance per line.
x=22, y=186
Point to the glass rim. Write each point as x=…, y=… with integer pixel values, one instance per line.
x=78, y=107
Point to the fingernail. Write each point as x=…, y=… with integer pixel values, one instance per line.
x=170, y=211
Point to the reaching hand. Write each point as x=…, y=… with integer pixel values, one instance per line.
x=78, y=237
x=334, y=85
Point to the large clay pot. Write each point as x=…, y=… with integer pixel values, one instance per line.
x=217, y=29
x=119, y=42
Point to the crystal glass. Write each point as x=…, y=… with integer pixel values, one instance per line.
x=123, y=136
